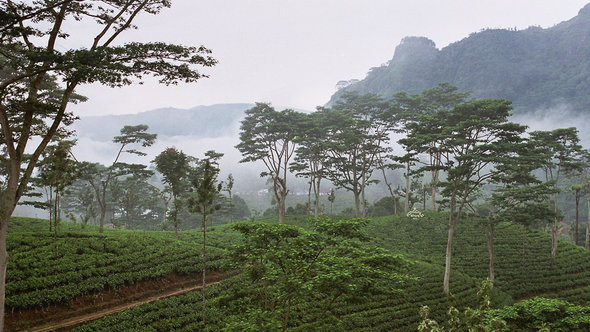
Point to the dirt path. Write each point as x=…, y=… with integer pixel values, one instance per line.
x=74, y=321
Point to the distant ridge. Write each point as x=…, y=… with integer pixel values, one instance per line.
x=200, y=121
x=535, y=68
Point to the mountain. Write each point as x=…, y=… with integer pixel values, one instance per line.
x=201, y=121
x=535, y=68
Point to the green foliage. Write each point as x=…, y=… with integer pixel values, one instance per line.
x=205, y=191
x=299, y=209
x=238, y=303
x=358, y=132
x=33, y=105
x=520, y=272
x=470, y=320
x=173, y=165
x=542, y=314
x=469, y=139
x=237, y=210
x=100, y=177
x=294, y=264
x=90, y=262
x=384, y=207
x=268, y=135
x=25, y=224
x=311, y=158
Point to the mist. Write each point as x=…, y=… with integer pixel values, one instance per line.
x=560, y=116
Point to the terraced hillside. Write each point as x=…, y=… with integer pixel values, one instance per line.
x=92, y=263
x=523, y=263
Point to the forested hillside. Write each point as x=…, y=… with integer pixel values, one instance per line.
x=535, y=68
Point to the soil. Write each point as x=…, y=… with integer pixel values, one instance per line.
x=94, y=306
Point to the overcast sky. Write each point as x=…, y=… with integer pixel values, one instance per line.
x=292, y=53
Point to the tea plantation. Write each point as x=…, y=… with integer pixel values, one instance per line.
x=89, y=262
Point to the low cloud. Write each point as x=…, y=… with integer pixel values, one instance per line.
x=560, y=116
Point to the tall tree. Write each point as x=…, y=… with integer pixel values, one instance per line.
x=174, y=167
x=136, y=196
x=80, y=199
x=442, y=97
x=205, y=191
x=358, y=135
x=578, y=191
x=406, y=108
x=229, y=185
x=585, y=177
x=331, y=199
x=165, y=195
x=470, y=139
x=58, y=170
x=100, y=177
x=268, y=136
x=579, y=188
x=32, y=36
x=562, y=149
x=311, y=160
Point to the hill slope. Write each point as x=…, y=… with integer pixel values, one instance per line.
x=523, y=264
x=422, y=240
x=201, y=121
x=535, y=68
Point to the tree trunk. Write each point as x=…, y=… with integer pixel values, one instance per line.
x=554, y=237
x=587, y=244
x=317, y=197
x=363, y=199
x=231, y=208
x=55, y=224
x=434, y=161
x=357, y=203
x=390, y=191
x=281, y=207
x=176, y=210
x=407, y=175
x=103, y=207
x=7, y=205
x=3, y=263
x=577, y=215
x=308, y=207
x=447, y=277
x=283, y=184
x=490, y=238
x=165, y=212
x=555, y=227
x=103, y=212
x=433, y=190
x=50, y=210
x=204, y=268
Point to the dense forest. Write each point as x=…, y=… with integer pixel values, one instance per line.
x=481, y=228
x=535, y=68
